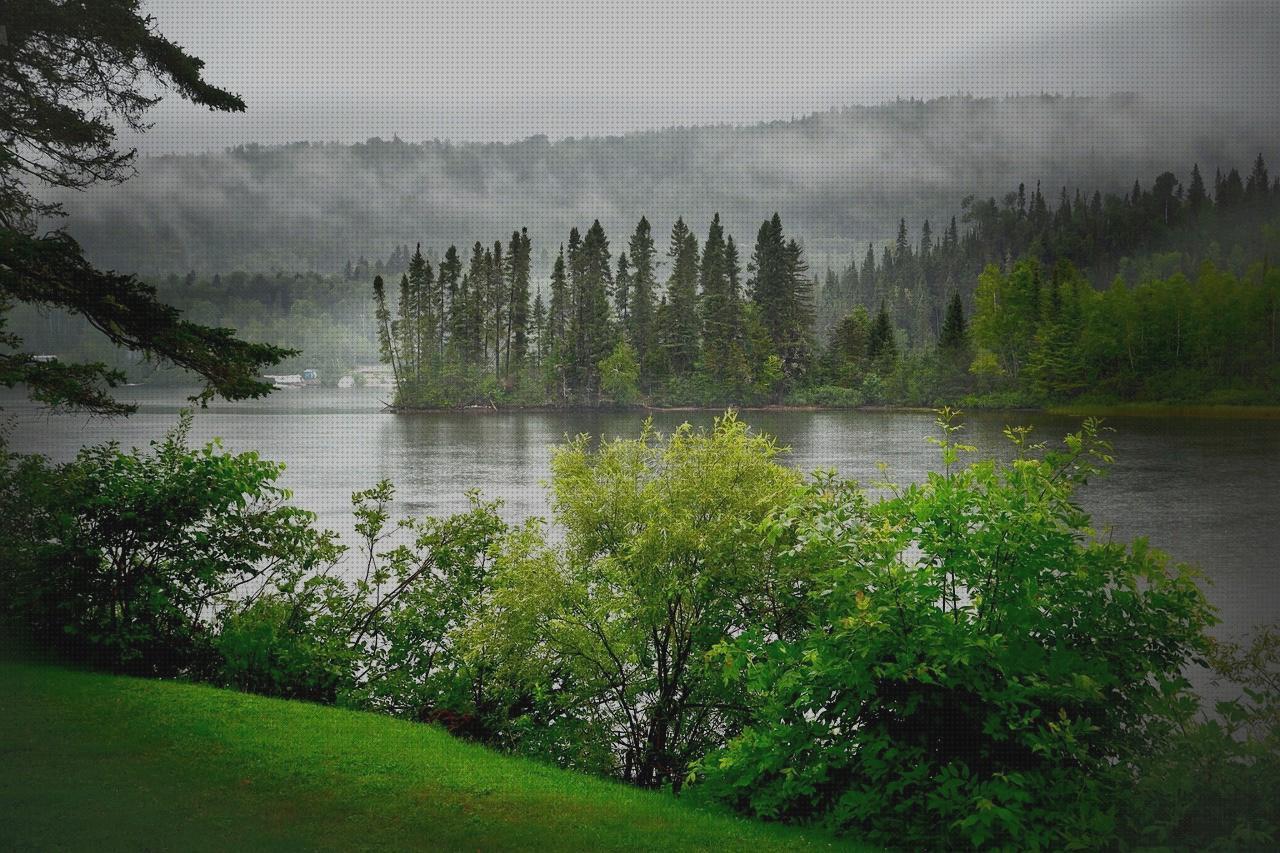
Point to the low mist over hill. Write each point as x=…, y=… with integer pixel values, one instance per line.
x=839, y=179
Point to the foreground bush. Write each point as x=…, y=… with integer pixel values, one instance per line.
x=119, y=558
x=607, y=632
x=979, y=669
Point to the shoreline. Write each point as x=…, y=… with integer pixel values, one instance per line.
x=1108, y=410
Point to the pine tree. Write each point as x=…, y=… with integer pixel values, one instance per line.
x=641, y=309
x=447, y=295
x=1231, y=191
x=847, y=352
x=555, y=348
x=1196, y=194
x=955, y=335
x=405, y=328
x=475, y=283
x=682, y=297
x=869, y=277
x=796, y=345
x=538, y=325
x=768, y=283
x=422, y=287
x=592, y=334
x=386, y=339
x=497, y=307
x=721, y=311
x=519, y=256
x=881, y=346
x=1259, y=183
x=622, y=292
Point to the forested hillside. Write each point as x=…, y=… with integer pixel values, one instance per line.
x=1163, y=292
x=838, y=179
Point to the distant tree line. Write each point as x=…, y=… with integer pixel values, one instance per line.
x=702, y=324
x=609, y=329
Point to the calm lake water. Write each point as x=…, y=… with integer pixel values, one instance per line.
x=1204, y=490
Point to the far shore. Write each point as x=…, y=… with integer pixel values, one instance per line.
x=1110, y=410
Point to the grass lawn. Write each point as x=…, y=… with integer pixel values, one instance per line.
x=98, y=762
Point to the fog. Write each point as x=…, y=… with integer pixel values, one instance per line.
x=502, y=70
x=549, y=115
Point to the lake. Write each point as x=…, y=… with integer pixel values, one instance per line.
x=1204, y=490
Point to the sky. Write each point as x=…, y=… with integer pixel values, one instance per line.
x=497, y=70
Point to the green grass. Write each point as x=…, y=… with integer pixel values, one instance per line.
x=100, y=762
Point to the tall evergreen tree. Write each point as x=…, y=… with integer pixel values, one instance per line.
x=386, y=338
x=496, y=305
x=1196, y=195
x=682, y=297
x=405, y=328
x=769, y=277
x=1259, y=183
x=641, y=309
x=954, y=335
x=422, y=289
x=721, y=311
x=538, y=326
x=591, y=334
x=447, y=295
x=622, y=292
x=555, y=348
x=881, y=346
x=519, y=256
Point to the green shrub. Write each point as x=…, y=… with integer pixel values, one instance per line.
x=605, y=635
x=121, y=559
x=1215, y=784
x=980, y=670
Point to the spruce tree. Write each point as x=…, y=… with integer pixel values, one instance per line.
x=538, y=326
x=769, y=274
x=518, y=262
x=406, y=329
x=555, y=348
x=721, y=311
x=497, y=306
x=386, y=338
x=1196, y=194
x=447, y=295
x=1259, y=183
x=422, y=287
x=682, y=297
x=592, y=335
x=622, y=292
x=954, y=335
x=640, y=320
x=796, y=344
x=881, y=346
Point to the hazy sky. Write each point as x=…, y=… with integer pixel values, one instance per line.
x=481, y=70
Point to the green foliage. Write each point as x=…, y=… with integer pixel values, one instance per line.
x=660, y=562
x=120, y=558
x=1215, y=785
x=620, y=374
x=71, y=74
x=978, y=667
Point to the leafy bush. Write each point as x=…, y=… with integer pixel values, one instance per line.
x=120, y=558
x=1215, y=785
x=979, y=669
x=384, y=639
x=606, y=634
